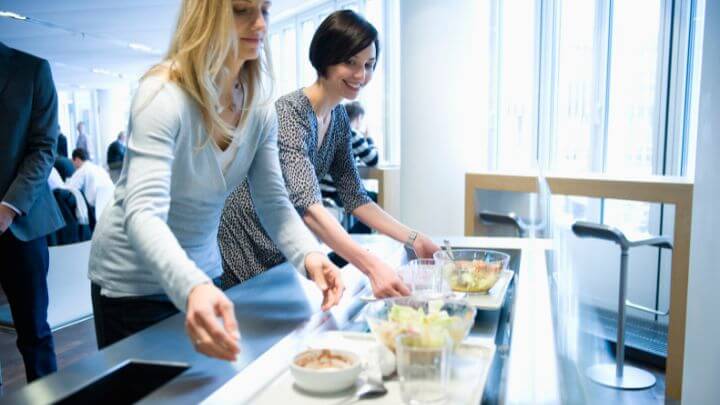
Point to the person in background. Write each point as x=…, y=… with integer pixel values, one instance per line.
x=28, y=211
x=201, y=123
x=63, y=165
x=363, y=149
x=314, y=139
x=363, y=145
x=115, y=156
x=88, y=178
x=62, y=144
x=82, y=141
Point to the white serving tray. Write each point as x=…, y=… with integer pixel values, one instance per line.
x=470, y=365
x=494, y=299
x=491, y=301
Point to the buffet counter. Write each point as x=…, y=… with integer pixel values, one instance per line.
x=279, y=309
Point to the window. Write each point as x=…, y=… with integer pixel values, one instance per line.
x=286, y=78
x=587, y=86
x=633, y=85
x=603, y=86
x=307, y=75
x=516, y=98
x=578, y=94
x=290, y=38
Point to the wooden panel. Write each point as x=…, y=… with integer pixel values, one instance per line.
x=657, y=189
x=388, y=178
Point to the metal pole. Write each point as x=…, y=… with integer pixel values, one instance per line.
x=620, y=350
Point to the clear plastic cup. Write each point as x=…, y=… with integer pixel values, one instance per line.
x=424, y=278
x=423, y=370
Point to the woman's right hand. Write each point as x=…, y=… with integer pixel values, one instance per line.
x=385, y=281
x=209, y=336
x=327, y=277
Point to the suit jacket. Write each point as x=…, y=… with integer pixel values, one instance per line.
x=115, y=154
x=28, y=133
x=64, y=167
x=62, y=145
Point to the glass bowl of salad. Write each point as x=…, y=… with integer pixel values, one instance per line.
x=431, y=320
x=473, y=270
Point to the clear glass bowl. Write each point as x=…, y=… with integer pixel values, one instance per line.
x=455, y=323
x=424, y=278
x=473, y=271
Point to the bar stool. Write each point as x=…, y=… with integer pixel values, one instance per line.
x=617, y=375
x=521, y=226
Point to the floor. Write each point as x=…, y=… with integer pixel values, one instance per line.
x=598, y=394
x=72, y=344
x=597, y=350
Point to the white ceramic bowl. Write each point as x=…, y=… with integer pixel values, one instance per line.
x=324, y=380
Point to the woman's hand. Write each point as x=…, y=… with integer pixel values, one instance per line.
x=386, y=282
x=327, y=277
x=424, y=247
x=206, y=303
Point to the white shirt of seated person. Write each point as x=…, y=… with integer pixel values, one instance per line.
x=89, y=178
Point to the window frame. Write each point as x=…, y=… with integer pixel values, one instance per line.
x=672, y=134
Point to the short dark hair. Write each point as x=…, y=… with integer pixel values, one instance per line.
x=339, y=37
x=80, y=153
x=354, y=109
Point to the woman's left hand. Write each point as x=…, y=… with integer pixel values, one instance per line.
x=424, y=247
x=327, y=277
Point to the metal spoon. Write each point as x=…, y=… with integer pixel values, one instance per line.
x=371, y=388
x=448, y=249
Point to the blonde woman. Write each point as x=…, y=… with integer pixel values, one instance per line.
x=199, y=126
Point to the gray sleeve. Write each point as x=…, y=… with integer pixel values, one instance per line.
x=277, y=214
x=154, y=124
x=39, y=157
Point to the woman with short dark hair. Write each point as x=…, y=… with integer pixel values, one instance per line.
x=314, y=139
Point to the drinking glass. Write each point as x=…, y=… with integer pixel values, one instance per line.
x=423, y=370
x=424, y=278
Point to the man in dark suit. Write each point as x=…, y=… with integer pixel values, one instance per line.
x=61, y=144
x=28, y=211
x=63, y=165
x=115, y=156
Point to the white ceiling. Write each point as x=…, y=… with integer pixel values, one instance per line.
x=72, y=57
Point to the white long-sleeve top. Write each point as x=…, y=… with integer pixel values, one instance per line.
x=54, y=180
x=159, y=234
x=90, y=178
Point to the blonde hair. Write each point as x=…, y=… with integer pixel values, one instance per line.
x=203, y=44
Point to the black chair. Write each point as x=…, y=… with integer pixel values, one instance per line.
x=73, y=231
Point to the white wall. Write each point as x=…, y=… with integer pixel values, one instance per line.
x=443, y=125
x=702, y=336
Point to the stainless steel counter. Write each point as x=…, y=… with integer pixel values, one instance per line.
x=279, y=303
